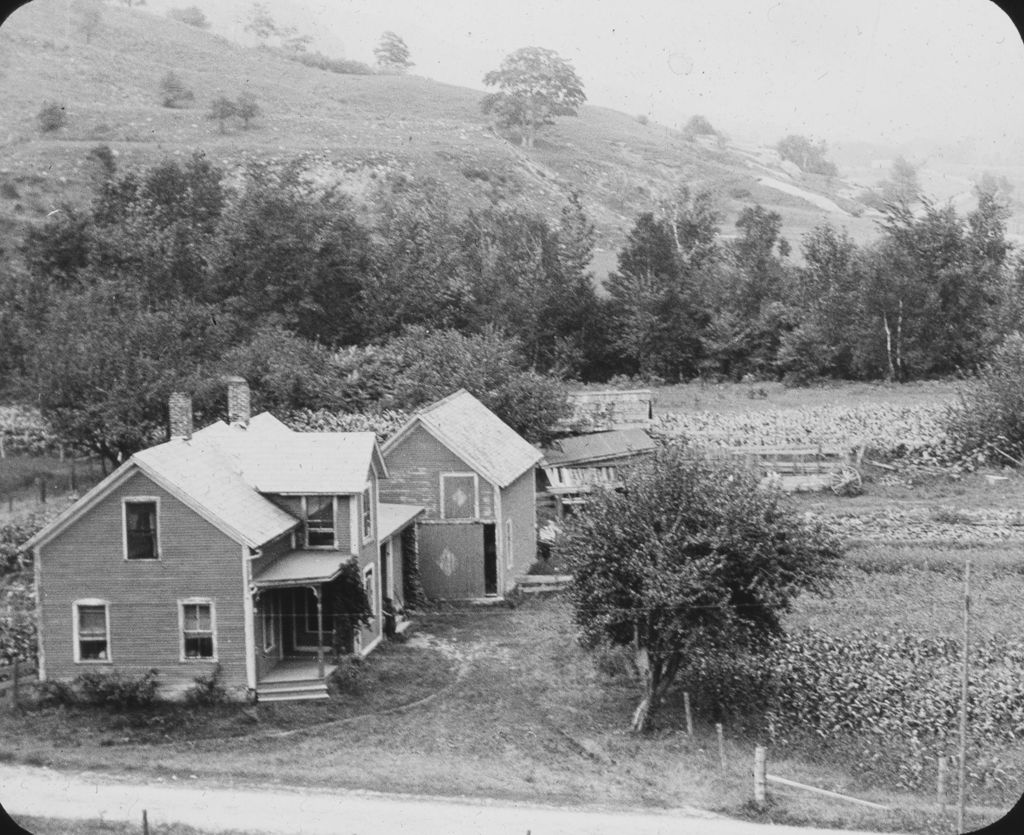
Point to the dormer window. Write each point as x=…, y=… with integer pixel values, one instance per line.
x=319, y=513
x=140, y=529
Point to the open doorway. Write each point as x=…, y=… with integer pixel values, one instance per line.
x=490, y=560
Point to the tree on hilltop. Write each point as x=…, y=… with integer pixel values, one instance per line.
x=246, y=109
x=190, y=15
x=260, y=23
x=534, y=86
x=222, y=109
x=173, y=91
x=690, y=556
x=807, y=155
x=392, y=53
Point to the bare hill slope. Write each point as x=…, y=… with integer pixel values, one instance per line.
x=352, y=129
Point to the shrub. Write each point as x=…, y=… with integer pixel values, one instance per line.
x=207, y=690
x=52, y=116
x=988, y=421
x=117, y=690
x=342, y=66
x=173, y=92
x=191, y=15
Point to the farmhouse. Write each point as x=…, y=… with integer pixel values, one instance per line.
x=574, y=466
x=474, y=476
x=226, y=549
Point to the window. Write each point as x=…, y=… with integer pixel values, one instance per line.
x=459, y=496
x=92, y=630
x=140, y=529
x=371, y=589
x=509, y=559
x=197, y=636
x=367, y=516
x=319, y=521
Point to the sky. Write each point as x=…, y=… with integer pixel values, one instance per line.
x=842, y=70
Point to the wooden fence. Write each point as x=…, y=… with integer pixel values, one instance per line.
x=14, y=678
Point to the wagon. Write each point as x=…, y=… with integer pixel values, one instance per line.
x=805, y=467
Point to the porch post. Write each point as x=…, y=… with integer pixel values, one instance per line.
x=318, y=592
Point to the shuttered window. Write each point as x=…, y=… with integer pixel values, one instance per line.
x=459, y=496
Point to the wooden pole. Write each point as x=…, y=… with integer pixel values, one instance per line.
x=760, y=780
x=14, y=683
x=145, y=823
x=42, y=490
x=689, y=716
x=318, y=591
x=721, y=745
x=941, y=788
x=962, y=767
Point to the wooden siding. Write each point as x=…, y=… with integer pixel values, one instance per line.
x=197, y=561
x=415, y=466
x=518, y=503
x=452, y=560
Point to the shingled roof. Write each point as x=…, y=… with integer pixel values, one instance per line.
x=600, y=446
x=477, y=435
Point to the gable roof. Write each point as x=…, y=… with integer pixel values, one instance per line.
x=600, y=446
x=477, y=435
x=221, y=471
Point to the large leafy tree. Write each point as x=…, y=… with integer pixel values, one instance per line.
x=690, y=555
x=392, y=54
x=808, y=155
x=534, y=86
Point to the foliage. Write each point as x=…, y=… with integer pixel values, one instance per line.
x=698, y=125
x=350, y=605
x=433, y=364
x=173, y=92
x=18, y=632
x=893, y=697
x=221, y=109
x=207, y=689
x=190, y=15
x=534, y=86
x=342, y=66
x=246, y=109
x=988, y=421
x=116, y=690
x=260, y=22
x=383, y=424
x=52, y=116
x=392, y=54
x=23, y=430
x=690, y=555
x=807, y=154
x=902, y=187
x=13, y=536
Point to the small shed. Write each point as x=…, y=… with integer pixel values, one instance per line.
x=573, y=467
x=600, y=411
x=474, y=477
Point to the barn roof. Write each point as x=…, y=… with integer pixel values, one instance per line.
x=476, y=435
x=600, y=446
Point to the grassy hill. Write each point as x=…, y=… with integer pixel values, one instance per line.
x=351, y=129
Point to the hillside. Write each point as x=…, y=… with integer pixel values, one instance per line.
x=352, y=129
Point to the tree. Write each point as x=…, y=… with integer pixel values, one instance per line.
x=392, y=53
x=89, y=16
x=534, y=86
x=698, y=125
x=222, y=109
x=808, y=155
x=246, y=109
x=690, y=555
x=52, y=116
x=191, y=16
x=903, y=186
x=173, y=91
x=260, y=23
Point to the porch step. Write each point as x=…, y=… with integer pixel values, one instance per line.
x=288, y=691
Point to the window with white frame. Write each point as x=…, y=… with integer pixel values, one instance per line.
x=509, y=557
x=459, y=496
x=141, y=541
x=92, y=630
x=367, y=516
x=319, y=513
x=198, y=637
x=370, y=585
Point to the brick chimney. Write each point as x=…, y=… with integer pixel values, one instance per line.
x=179, y=411
x=238, y=401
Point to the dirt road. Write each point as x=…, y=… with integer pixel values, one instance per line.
x=26, y=790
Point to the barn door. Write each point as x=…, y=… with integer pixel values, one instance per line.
x=452, y=560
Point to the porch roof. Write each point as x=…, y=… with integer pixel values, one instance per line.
x=301, y=568
x=391, y=518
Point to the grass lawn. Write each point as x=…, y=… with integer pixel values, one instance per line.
x=19, y=482
x=62, y=826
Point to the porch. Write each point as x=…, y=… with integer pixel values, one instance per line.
x=292, y=679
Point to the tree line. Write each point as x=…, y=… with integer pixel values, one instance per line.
x=174, y=270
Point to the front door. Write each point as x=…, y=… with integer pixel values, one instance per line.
x=490, y=560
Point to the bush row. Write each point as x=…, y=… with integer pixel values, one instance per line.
x=894, y=696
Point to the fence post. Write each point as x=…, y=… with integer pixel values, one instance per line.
x=42, y=490
x=721, y=745
x=689, y=716
x=145, y=823
x=14, y=683
x=73, y=477
x=760, y=775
